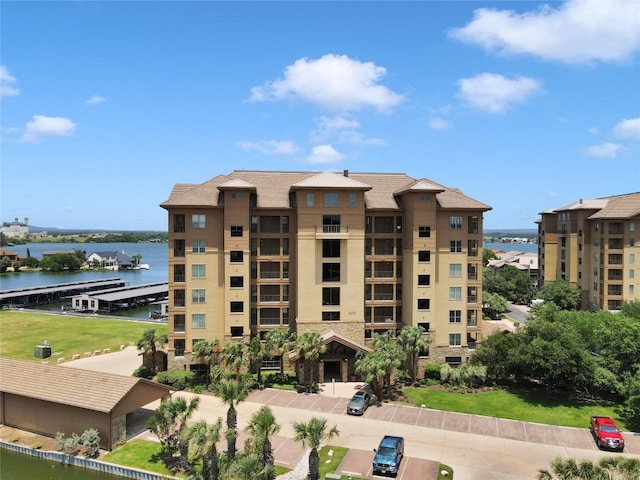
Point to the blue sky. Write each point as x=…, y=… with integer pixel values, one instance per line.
x=522, y=105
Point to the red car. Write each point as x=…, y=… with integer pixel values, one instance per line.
x=607, y=433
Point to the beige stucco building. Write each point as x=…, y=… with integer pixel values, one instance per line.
x=591, y=244
x=342, y=254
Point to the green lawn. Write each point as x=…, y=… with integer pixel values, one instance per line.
x=539, y=406
x=138, y=454
x=21, y=331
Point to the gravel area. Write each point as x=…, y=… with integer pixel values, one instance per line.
x=300, y=471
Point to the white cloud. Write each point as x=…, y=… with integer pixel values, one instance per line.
x=578, y=31
x=444, y=110
x=438, y=123
x=495, y=93
x=95, y=100
x=43, y=126
x=356, y=138
x=594, y=130
x=554, y=194
x=6, y=83
x=628, y=128
x=324, y=154
x=329, y=127
x=271, y=147
x=608, y=150
x=334, y=82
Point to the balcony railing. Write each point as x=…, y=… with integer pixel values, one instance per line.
x=472, y=298
x=382, y=319
x=178, y=278
x=331, y=228
x=269, y=275
x=383, y=296
x=270, y=321
x=383, y=274
x=269, y=298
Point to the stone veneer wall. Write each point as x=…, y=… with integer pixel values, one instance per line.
x=119, y=431
x=352, y=330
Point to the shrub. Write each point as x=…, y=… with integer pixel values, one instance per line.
x=90, y=440
x=432, y=371
x=36, y=445
x=15, y=439
x=176, y=379
x=143, y=371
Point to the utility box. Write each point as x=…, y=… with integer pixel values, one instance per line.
x=42, y=351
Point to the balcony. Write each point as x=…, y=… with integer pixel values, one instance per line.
x=382, y=319
x=269, y=275
x=332, y=231
x=383, y=296
x=269, y=298
x=270, y=321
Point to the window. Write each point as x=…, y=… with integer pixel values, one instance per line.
x=455, y=223
x=236, y=282
x=632, y=273
x=455, y=339
x=632, y=227
x=424, y=304
x=198, y=271
x=237, y=331
x=331, y=296
x=198, y=295
x=331, y=248
x=236, y=256
x=352, y=200
x=425, y=198
x=425, y=325
x=424, y=255
x=178, y=323
x=178, y=248
x=453, y=361
x=330, y=316
x=237, y=307
x=285, y=246
x=330, y=272
x=330, y=199
x=424, y=280
x=455, y=316
x=632, y=258
x=309, y=199
x=178, y=223
x=178, y=346
x=178, y=298
x=197, y=221
x=198, y=320
x=331, y=223
x=178, y=273
x=236, y=230
x=455, y=293
x=455, y=269
x=254, y=224
x=285, y=224
x=455, y=246
x=424, y=231
x=198, y=246
x=236, y=195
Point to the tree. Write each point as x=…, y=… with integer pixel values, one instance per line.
x=309, y=347
x=494, y=304
x=509, y=282
x=631, y=309
x=234, y=357
x=609, y=468
x=413, y=341
x=168, y=422
x=487, y=255
x=5, y=263
x=282, y=340
x=469, y=374
x=562, y=293
x=258, y=353
x=149, y=343
x=136, y=257
x=60, y=261
x=207, y=352
x=247, y=467
x=311, y=435
x=262, y=427
x=202, y=439
x=379, y=366
x=495, y=354
x=231, y=392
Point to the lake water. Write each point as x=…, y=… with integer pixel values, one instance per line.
x=16, y=466
x=153, y=254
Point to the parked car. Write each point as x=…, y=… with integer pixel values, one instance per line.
x=388, y=455
x=359, y=403
x=607, y=433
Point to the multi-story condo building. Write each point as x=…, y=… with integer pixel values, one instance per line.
x=591, y=244
x=342, y=254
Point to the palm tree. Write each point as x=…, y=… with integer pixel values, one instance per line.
x=231, y=393
x=372, y=368
x=258, y=353
x=413, y=341
x=234, y=357
x=282, y=340
x=311, y=435
x=618, y=467
x=136, y=257
x=262, y=427
x=168, y=422
x=309, y=347
x=247, y=467
x=150, y=343
x=202, y=439
x=465, y=375
x=207, y=352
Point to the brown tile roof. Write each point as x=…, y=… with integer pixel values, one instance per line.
x=273, y=189
x=69, y=386
x=623, y=207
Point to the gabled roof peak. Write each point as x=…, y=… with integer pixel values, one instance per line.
x=331, y=180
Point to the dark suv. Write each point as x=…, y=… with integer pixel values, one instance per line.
x=388, y=455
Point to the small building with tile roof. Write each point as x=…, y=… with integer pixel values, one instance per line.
x=47, y=399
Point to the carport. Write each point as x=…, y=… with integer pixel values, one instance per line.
x=47, y=399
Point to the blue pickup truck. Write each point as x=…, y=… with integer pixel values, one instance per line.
x=388, y=455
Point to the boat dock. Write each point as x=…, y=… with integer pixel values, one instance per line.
x=30, y=297
x=120, y=298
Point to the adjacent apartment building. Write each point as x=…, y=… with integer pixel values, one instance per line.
x=342, y=254
x=592, y=244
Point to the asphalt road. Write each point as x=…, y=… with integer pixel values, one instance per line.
x=517, y=313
